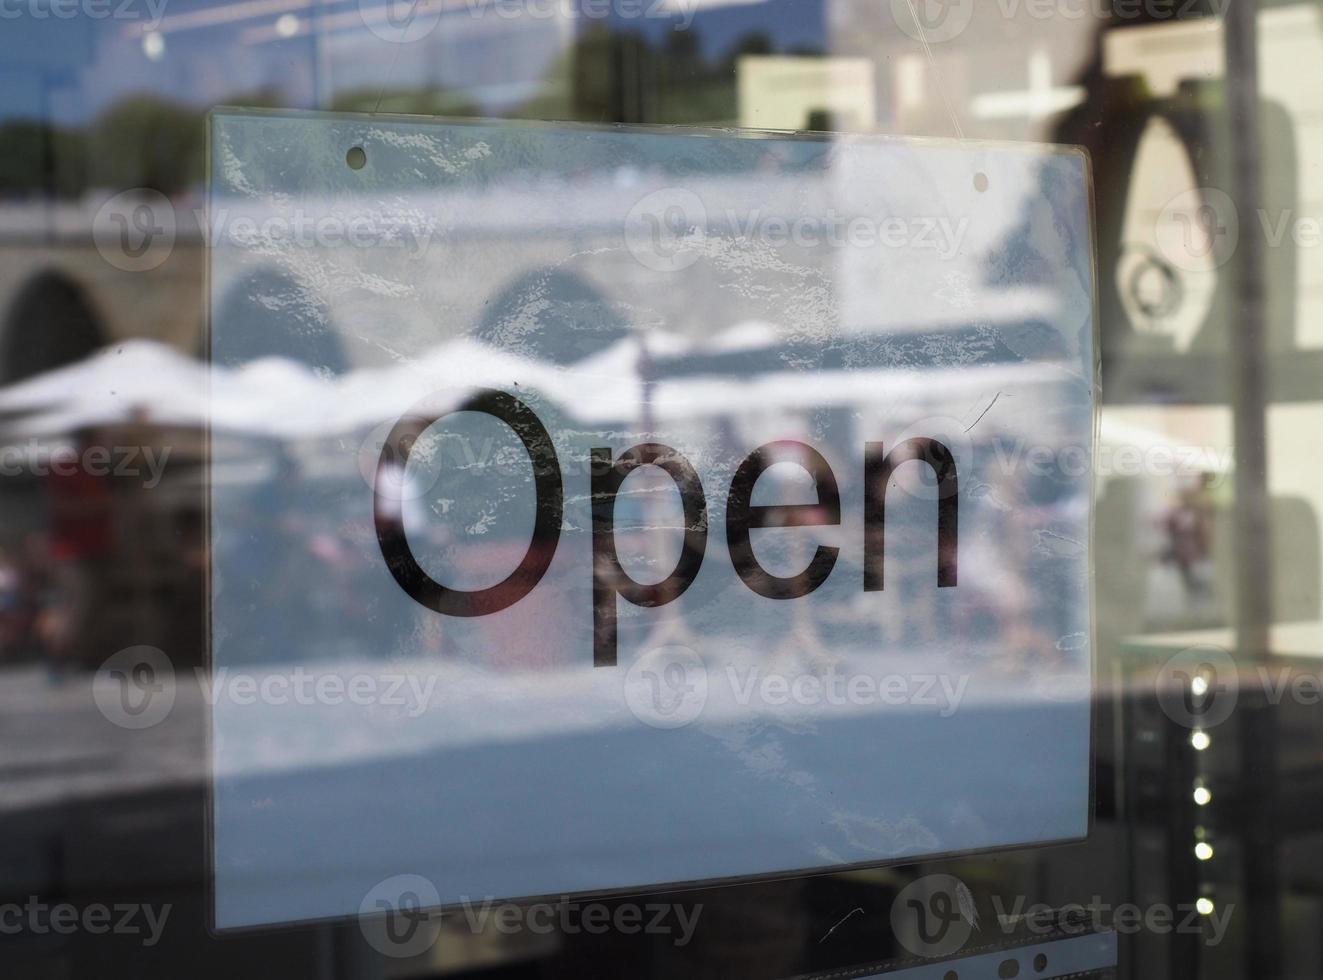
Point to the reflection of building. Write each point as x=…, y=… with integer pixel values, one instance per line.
x=806, y=93
x=60, y=299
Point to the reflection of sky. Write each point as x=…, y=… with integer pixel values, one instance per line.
x=95, y=64
x=788, y=24
x=87, y=65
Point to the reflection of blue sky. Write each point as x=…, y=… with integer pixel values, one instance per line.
x=107, y=62
x=789, y=24
x=71, y=70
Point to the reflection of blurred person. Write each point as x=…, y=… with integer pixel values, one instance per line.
x=81, y=539
x=33, y=565
x=397, y=505
x=397, y=501
x=397, y=495
x=1189, y=529
x=11, y=606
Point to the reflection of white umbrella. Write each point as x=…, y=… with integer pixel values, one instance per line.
x=597, y=388
x=369, y=396
x=746, y=335
x=724, y=394
x=281, y=398
x=142, y=379
x=274, y=396
x=131, y=372
x=113, y=385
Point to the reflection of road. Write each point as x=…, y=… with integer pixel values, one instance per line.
x=518, y=818
x=56, y=747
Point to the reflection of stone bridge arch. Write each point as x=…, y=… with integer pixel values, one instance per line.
x=48, y=259
x=50, y=322
x=267, y=313
x=551, y=315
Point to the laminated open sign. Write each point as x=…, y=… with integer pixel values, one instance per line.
x=622, y=507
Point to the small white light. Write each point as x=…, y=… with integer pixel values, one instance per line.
x=1202, y=796
x=1200, y=740
x=153, y=46
x=1203, y=850
x=1199, y=685
x=1204, y=906
x=287, y=25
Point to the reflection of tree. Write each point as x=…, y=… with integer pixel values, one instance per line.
x=414, y=102
x=41, y=158
x=623, y=76
x=143, y=141
x=140, y=141
x=606, y=75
